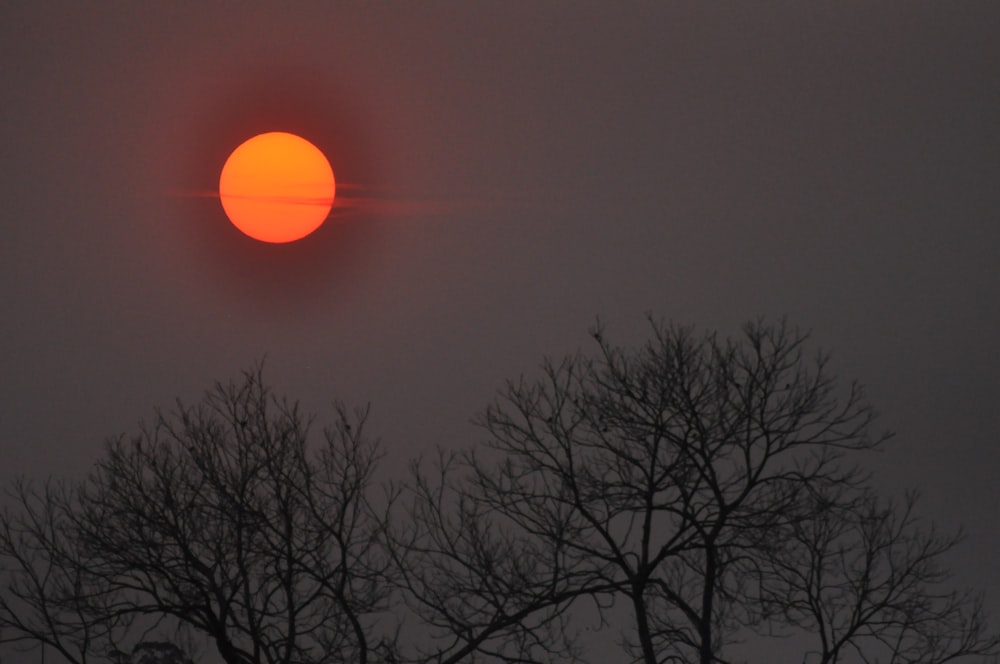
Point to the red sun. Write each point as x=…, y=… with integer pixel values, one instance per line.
x=277, y=187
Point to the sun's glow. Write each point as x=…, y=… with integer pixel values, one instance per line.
x=277, y=187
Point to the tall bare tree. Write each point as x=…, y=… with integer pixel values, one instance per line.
x=677, y=478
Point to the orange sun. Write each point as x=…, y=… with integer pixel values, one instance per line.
x=277, y=187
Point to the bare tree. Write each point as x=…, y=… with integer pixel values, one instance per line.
x=867, y=581
x=50, y=597
x=221, y=517
x=669, y=478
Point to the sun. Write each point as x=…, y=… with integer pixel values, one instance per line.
x=277, y=187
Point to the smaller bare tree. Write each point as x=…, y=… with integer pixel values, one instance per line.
x=223, y=517
x=866, y=579
x=51, y=597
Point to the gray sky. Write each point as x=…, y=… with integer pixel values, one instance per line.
x=522, y=168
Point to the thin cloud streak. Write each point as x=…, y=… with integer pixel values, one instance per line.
x=348, y=204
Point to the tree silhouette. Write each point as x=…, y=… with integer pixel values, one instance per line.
x=867, y=580
x=218, y=517
x=49, y=596
x=689, y=493
x=711, y=485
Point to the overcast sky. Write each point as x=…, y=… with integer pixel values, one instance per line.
x=522, y=168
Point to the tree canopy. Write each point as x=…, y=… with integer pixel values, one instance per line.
x=689, y=494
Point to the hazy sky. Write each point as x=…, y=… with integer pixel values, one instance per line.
x=522, y=169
